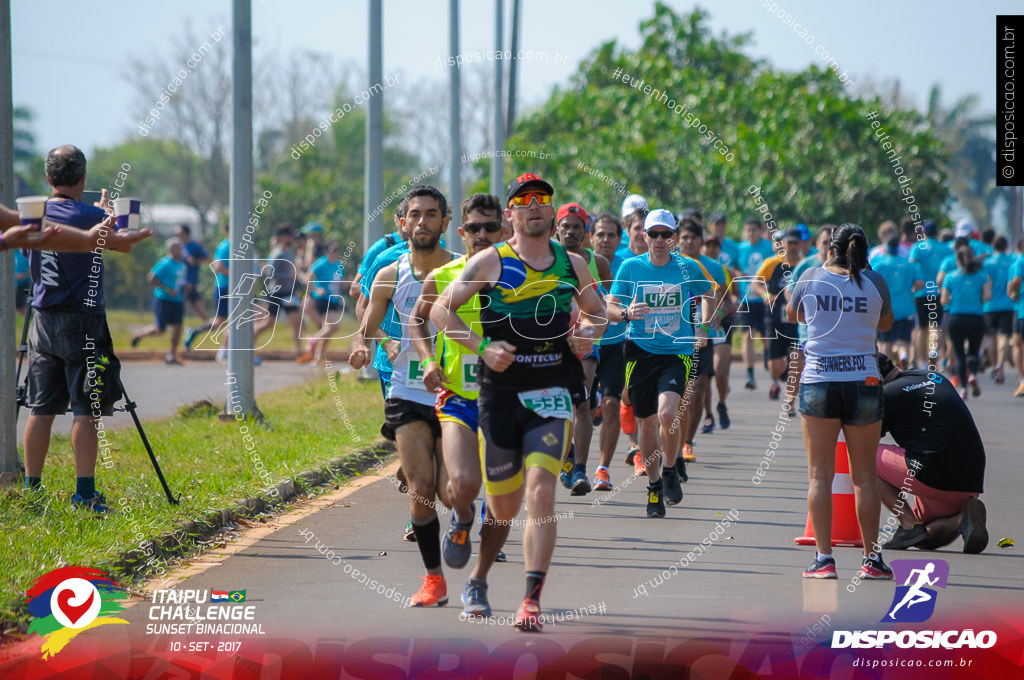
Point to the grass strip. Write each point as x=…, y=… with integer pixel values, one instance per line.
x=314, y=433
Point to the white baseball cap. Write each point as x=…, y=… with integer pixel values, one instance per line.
x=964, y=228
x=660, y=218
x=633, y=203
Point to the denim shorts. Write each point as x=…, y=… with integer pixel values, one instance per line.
x=854, y=403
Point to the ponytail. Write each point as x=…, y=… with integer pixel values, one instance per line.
x=849, y=249
x=965, y=260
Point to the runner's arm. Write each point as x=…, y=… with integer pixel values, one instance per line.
x=381, y=290
x=593, y=322
x=433, y=379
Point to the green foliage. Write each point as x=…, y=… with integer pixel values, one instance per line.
x=799, y=136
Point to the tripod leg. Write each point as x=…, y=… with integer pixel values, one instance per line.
x=130, y=407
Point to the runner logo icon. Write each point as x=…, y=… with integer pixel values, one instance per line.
x=914, y=601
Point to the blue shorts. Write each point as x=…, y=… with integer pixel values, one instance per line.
x=167, y=313
x=852, y=402
x=454, y=408
x=221, y=298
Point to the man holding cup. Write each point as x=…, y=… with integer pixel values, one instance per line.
x=69, y=336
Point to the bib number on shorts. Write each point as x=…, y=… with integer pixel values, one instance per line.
x=469, y=364
x=552, y=402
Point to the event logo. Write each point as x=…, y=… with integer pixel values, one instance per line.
x=68, y=601
x=914, y=601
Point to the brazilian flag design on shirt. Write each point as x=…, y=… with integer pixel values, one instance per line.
x=530, y=309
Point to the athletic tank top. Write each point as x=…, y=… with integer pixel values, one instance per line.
x=407, y=378
x=531, y=310
x=458, y=363
x=842, y=319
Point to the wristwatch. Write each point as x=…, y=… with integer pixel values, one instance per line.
x=625, y=314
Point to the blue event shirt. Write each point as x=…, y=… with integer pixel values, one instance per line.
x=729, y=255
x=169, y=273
x=750, y=261
x=998, y=268
x=667, y=290
x=929, y=255
x=222, y=253
x=899, y=274
x=1018, y=272
x=69, y=281
x=323, y=271
x=965, y=291
x=374, y=251
x=196, y=250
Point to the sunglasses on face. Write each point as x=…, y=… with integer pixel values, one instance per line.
x=665, y=234
x=523, y=200
x=475, y=227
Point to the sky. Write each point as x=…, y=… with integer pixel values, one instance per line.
x=70, y=57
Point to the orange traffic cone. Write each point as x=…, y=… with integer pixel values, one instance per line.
x=845, y=528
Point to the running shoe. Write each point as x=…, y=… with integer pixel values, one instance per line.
x=190, y=337
x=972, y=527
x=998, y=377
x=304, y=358
x=1019, y=392
x=906, y=538
x=962, y=391
x=474, y=600
x=602, y=480
x=723, y=417
x=528, y=617
x=875, y=570
x=681, y=469
x=456, y=546
x=673, y=489
x=655, y=500
x=580, y=485
x=434, y=592
x=410, y=535
x=568, y=466
x=598, y=413
x=403, y=483
x=502, y=557
x=975, y=386
x=687, y=452
x=633, y=450
x=709, y=424
x=98, y=504
x=774, y=391
x=822, y=568
x=135, y=341
x=172, y=360
x=751, y=384
x=639, y=469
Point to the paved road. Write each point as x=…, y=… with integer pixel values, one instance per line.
x=159, y=390
x=747, y=584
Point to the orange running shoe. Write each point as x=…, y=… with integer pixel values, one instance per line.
x=688, y=453
x=602, y=480
x=639, y=469
x=1019, y=392
x=433, y=593
x=528, y=617
x=626, y=419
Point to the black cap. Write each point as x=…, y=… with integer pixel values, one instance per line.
x=793, y=234
x=930, y=228
x=527, y=180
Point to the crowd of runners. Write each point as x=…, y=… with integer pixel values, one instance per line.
x=497, y=366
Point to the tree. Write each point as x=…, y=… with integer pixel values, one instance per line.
x=800, y=137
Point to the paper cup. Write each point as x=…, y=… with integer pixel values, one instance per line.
x=127, y=212
x=31, y=209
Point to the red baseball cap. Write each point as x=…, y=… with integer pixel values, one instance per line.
x=571, y=209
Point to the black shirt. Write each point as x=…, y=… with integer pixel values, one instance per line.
x=927, y=417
